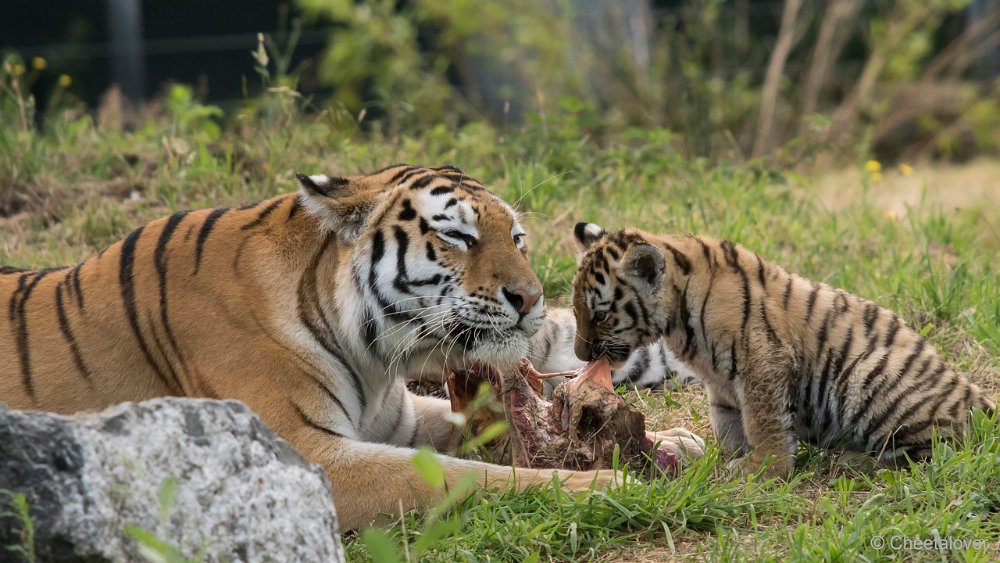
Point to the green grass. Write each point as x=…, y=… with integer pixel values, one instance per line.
x=826, y=512
x=81, y=186
x=14, y=510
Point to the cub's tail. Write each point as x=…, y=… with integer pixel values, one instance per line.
x=987, y=404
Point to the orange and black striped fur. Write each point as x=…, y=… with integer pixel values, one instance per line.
x=308, y=307
x=783, y=358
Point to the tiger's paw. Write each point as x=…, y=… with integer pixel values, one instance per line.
x=598, y=480
x=678, y=441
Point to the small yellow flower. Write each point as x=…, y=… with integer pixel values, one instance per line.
x=65, y=80
x=905, y=169
x=891, y=215
x=873, y=166
x=876, y=177
x=38, y=63
x=18, y=69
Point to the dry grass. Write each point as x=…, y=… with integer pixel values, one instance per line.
x=970, y=186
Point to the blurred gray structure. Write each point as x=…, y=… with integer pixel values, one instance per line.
x=987, y=67
x=128, y=62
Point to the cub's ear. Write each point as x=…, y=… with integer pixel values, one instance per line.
x=342, y=206
x=644, y=263
x=320, y=185
x=449, y=170
x=587, y=234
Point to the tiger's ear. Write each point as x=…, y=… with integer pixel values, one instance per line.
x=644, y=263
x=587, y=234
x=341, y=205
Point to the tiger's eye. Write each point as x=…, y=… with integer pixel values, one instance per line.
x=599, y=316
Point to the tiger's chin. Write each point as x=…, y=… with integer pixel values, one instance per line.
x=499, y=354
x=497, y=349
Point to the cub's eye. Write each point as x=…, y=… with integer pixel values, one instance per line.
x=454, y=234
x=518, y=239
x=600, y=316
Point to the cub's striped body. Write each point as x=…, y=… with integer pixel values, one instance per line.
x=782, y=358
x=310, y=308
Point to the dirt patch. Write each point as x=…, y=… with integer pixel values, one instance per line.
x=47, y=199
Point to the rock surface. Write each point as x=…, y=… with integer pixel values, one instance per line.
x=240, y=493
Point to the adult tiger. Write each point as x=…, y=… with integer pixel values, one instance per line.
x=782, y=358
x=308, y=307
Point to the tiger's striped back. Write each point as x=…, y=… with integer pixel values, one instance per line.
x=108, y=330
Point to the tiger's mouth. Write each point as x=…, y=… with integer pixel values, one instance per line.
x=468, y=337
x=498, y=349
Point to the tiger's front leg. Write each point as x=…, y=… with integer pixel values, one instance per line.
x=373, y=482
x=434, y=426
x=679, y=441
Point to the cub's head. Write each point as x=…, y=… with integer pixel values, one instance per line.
x=439, y=264
x=615, y=293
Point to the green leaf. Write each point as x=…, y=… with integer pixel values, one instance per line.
x=434, y=532
x=167, y=490
x=457, y=491
x=380, y=546
x=153, y=548
x=429, y=468
x=488, y=434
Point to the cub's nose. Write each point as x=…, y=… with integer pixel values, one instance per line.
x=583, y=349
x=522, y=299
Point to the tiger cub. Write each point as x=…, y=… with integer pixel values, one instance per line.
x=782, y=358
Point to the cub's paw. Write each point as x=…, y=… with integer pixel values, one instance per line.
x=678, y=441
x=773, y=466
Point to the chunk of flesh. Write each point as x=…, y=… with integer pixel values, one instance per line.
x=578, y=429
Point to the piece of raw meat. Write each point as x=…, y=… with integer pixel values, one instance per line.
x=577, y=429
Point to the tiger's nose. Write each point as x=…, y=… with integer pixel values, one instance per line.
x=522, y=299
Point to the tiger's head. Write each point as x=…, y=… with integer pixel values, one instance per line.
x=438, y=265
x=616, y=293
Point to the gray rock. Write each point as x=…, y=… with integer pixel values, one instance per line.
x=240, y=493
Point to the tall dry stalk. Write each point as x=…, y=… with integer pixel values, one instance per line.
x=772, y=80
x=834, y=31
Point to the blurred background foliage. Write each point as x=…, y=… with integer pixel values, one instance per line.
x=739, y=78
x=788, y=79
